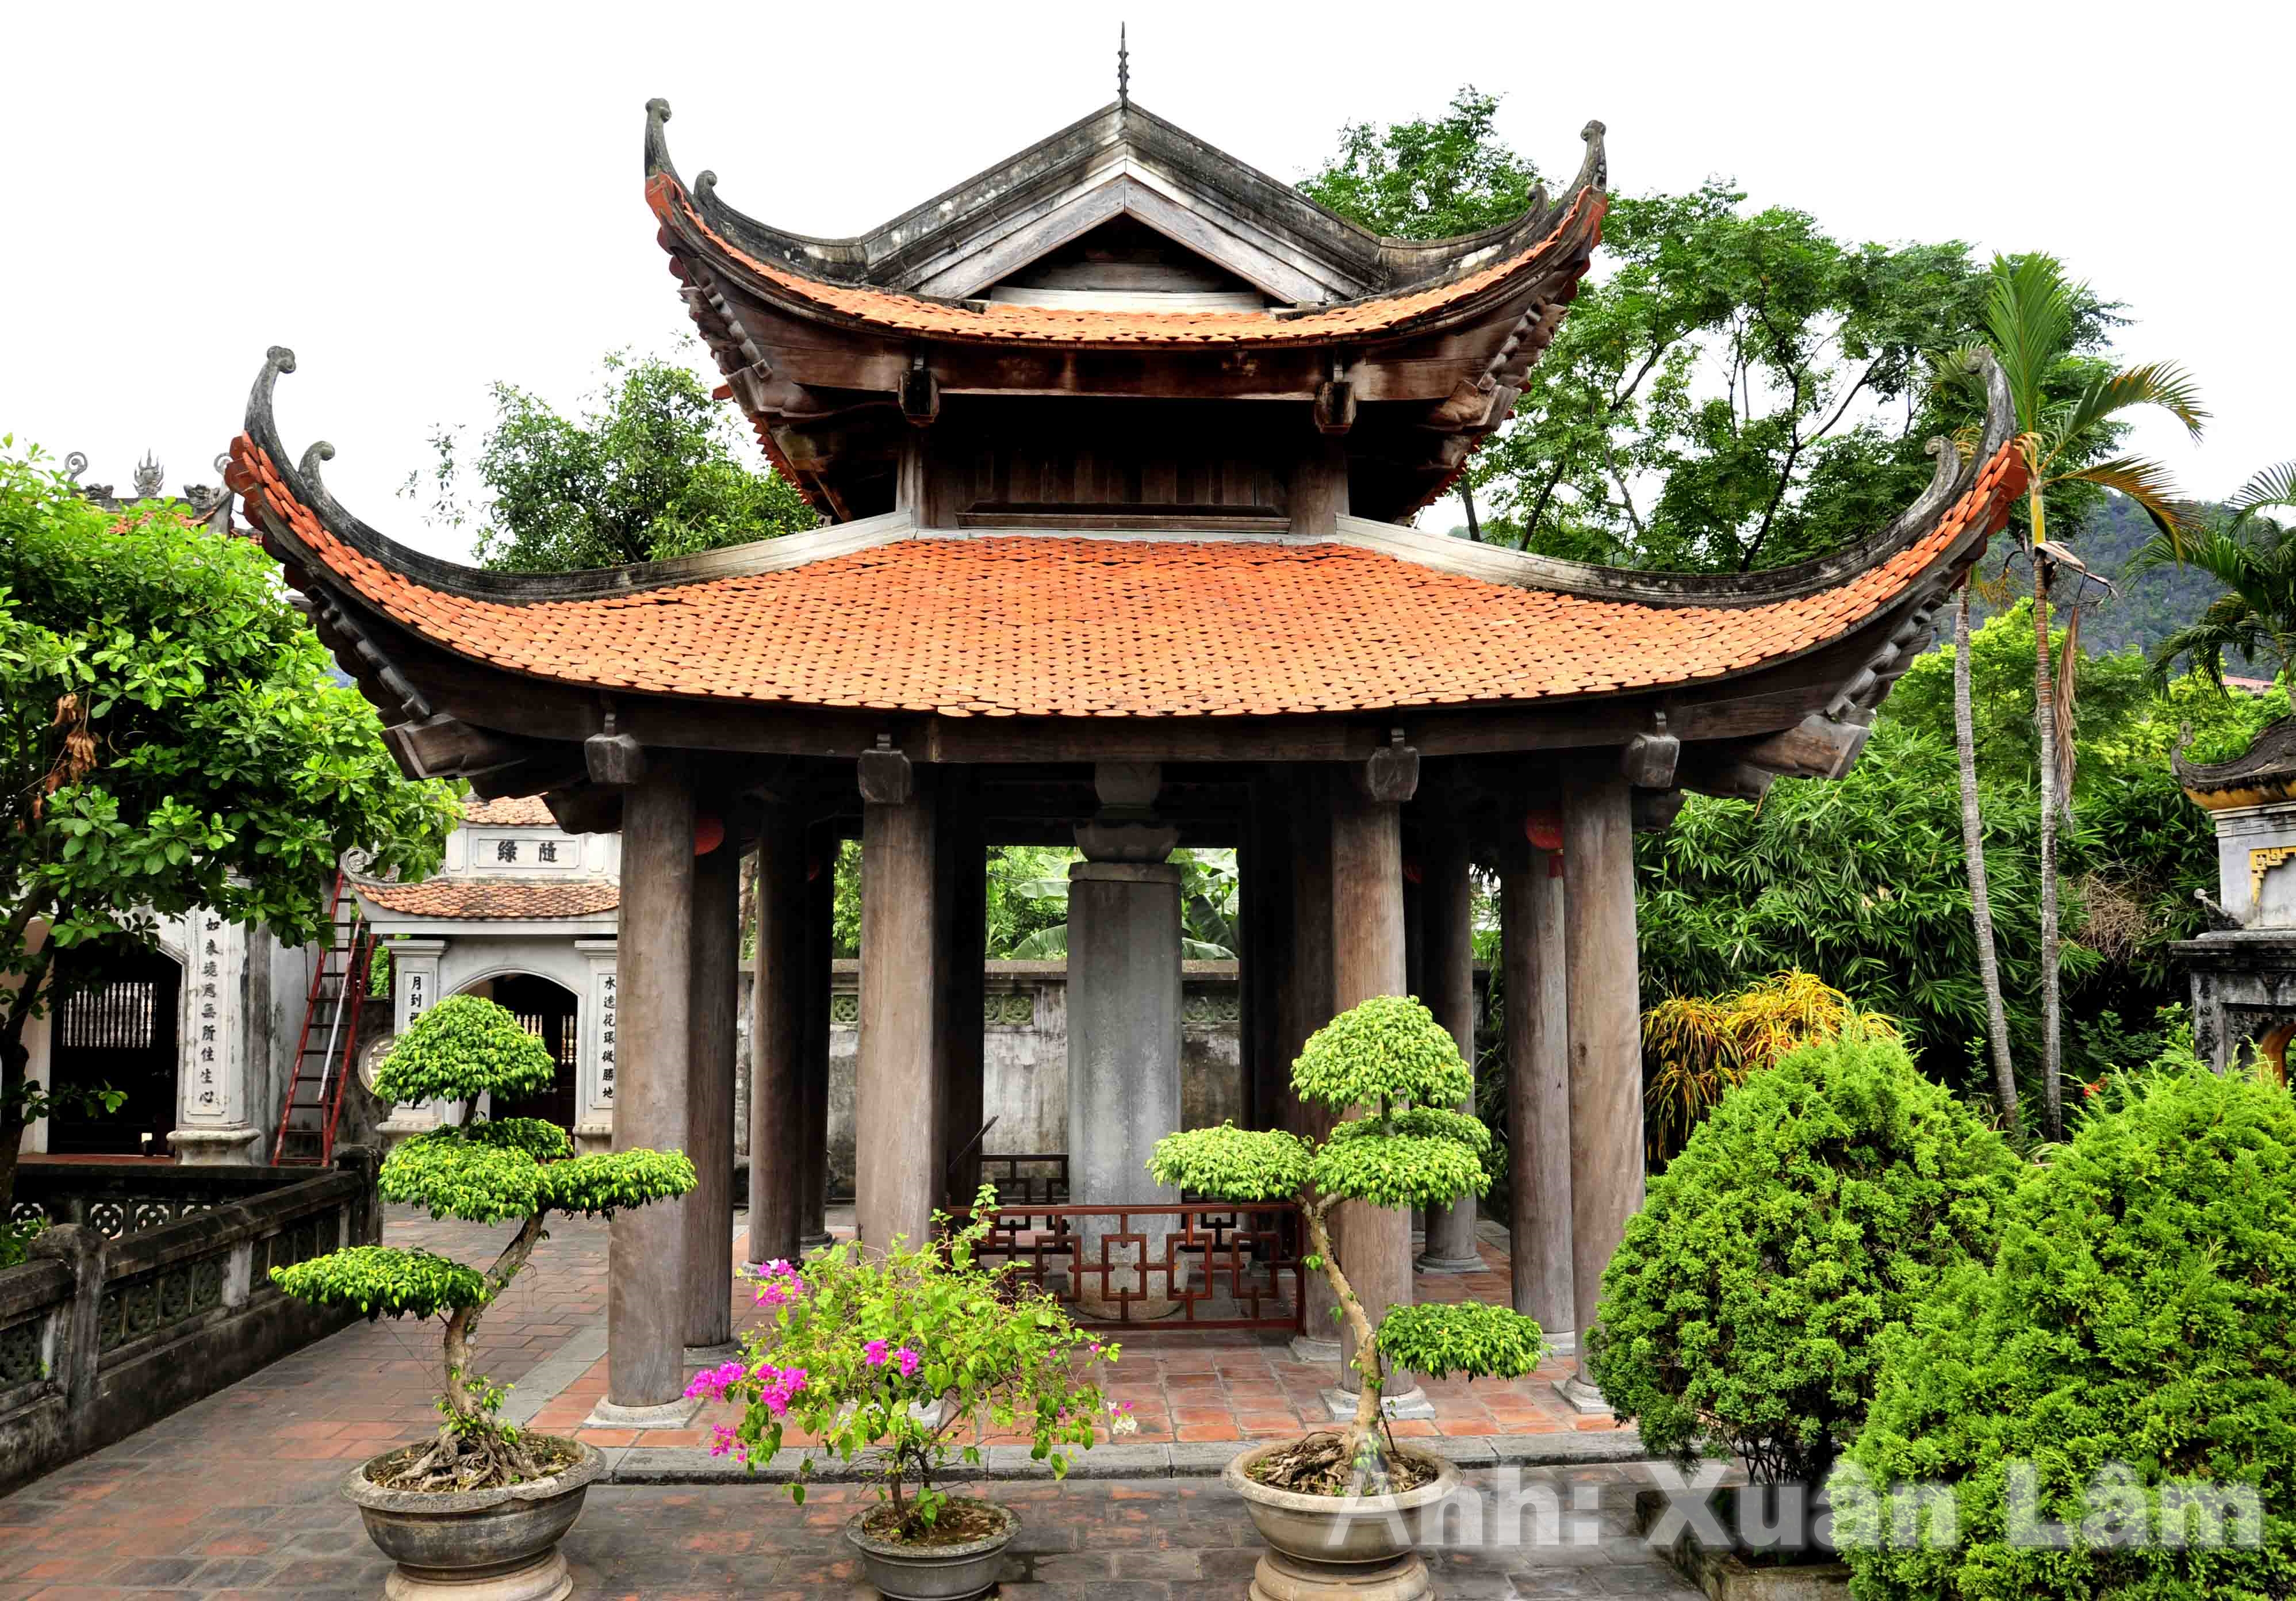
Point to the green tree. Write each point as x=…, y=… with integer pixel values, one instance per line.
x=651, y=468
x=2254, y=557
x=480, y=1170
x=172, y=737
x=2034, y=321
x=1427, y=179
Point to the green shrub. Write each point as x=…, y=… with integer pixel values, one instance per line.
x=465, y=1047
x=1809, y=1213
x=2141, y=1312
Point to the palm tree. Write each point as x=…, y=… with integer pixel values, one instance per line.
x=1972, y=845
x=2031, y=314
x=2254, y=558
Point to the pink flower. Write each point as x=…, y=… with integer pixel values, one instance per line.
x=714, y=1382
x=908, y=1361
x=728, y=1441
x=873, y=1353
x=778, y=1283
x=778, y=1386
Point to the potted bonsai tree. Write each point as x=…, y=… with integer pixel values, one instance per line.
x=480, y=1499
x=1748, y=1308
x=900, y=1354
x=1341, y=1506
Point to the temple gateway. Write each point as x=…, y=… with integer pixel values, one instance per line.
x=1118, y=446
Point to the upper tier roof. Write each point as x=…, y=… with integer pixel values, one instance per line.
x=882, y=614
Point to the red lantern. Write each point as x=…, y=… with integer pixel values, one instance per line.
x=1543, y=829
x=709, y=832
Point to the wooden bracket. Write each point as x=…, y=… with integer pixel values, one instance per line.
x=1391, y=774
x=920, y=393
x=1649, y=760
x=613, y=759
x=886, y=777
x=1335, y=406
x=1817, y=747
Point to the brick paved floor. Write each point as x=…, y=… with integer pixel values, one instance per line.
x=236, y=1494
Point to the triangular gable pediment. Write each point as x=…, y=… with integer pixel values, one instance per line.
x=1124, y=162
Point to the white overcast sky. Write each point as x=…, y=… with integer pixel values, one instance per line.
x=420, y=198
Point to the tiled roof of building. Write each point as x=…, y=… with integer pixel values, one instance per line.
x=1065, y=626
x=914, y=315
x=510, y=811
x=522, y=899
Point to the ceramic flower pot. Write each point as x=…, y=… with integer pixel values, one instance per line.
x=1324, y=1547
x=906, y=1572
x=477, y=1544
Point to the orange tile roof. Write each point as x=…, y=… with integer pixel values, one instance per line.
x=914, y=315
x=1069, y=627
x=510, y=811
x=523, y=899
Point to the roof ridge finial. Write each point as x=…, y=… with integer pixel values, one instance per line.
x=1123, y=71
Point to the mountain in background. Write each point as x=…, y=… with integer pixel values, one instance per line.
x=2151, y=606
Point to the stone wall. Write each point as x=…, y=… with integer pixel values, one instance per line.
x=1025, y=1040
x=150, y=1289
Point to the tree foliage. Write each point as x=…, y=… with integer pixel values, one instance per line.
x=1805, y=1217
x=1427, y=179
x=651, y=467
x=172, y=737
x=465, y=1047
x=2133, y=1344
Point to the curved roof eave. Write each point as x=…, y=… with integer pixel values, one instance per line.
x=853, y=263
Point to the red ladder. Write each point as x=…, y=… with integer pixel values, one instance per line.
x=326, y=1052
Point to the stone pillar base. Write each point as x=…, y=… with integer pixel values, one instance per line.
x=229, y=1146
x=670, y=1415
x=1412, y=1403
x=1447, y=1264
x=810, y=1243
x=1315, y=1353
x=709, y=1355
x=1584, y=1398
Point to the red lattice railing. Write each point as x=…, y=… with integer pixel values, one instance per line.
x=1215, y=1266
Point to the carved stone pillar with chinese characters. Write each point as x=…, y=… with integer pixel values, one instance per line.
x=593, y=1116
x=413, y=990
x=216, y=1110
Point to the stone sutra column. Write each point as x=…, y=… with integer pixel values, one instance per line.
x=1448, y=939
x=776, y=1031
x=711, y=1023
x=1124, y=1027
x=1531, y=888
x=645, y=1259
x=896, y=1164
x=1367, y=959
x=1606, y=1067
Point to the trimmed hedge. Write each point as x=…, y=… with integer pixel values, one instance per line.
x=1807, y=1215
x=2136, y=1334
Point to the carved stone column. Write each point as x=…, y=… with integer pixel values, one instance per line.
x=1124, y=1029
x=1367, y=959
x=1448, y=939
x=647, y=1302
x=1531, y=890
x=1606, y=1075
x=777, y=1039
x=710, y=1023
x=896, y=1178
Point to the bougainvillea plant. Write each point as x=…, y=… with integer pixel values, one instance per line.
x=481, y=1170
x=902, y=1353
x=1387, y=1061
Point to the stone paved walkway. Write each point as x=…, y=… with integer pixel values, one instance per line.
x=237, y=1494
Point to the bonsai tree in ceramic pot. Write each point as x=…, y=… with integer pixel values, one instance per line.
x=480, y=1492
x=1337, y=1503
x=899, y=1355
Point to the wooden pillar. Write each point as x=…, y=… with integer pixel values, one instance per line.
x=645, y=1259
x=1606, y=1070
x=1367, y=959
x=961, y=944
x=896, y=1156
x=822, y=844
x=1264, y=904
x=1305, y=1002
x=1531, y=890
x=712, y=1021
x=1446, y=901
x=777, y=1041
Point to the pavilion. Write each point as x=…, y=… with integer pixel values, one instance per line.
x=1119, y=445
